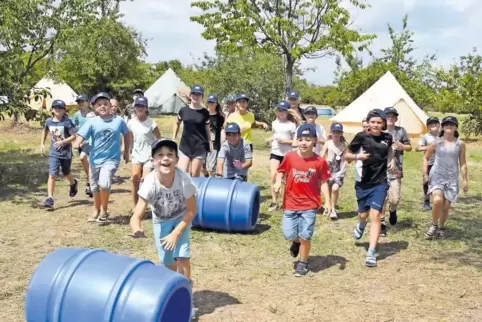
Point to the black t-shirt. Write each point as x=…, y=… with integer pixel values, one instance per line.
x=374, y=169
x=217, y=121
x=194, y=139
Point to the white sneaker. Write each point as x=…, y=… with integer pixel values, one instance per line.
x=272, y=207
x=333, y=215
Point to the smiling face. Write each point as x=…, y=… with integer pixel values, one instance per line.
x=140, y=110
x=242, y=104
x=434, y=127
x=233, y=138
x=165, y=160
x=449, y=128
x=282, y=114
x=58, y=111
x=306, y=143
x=336, y=135
x=391, y=119
x=310, y=117
x=294, y=102
x=376, y=125
x=103, y=107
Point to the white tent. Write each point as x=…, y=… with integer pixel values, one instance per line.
x=162, y=95
x=386, y=92
x=58, y=91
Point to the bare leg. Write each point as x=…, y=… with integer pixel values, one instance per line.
x=51, y=186
x=184, y=163
x=196, y=165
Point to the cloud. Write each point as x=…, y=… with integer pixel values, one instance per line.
x=449, y=28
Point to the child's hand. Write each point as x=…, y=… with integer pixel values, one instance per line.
x=126, y=156
x=237, y=164
x=363, y=156
x=138, y=234
x=58, y=144
x=277, y=187
x=169, y=242
x=391, y=165
x=465, y=186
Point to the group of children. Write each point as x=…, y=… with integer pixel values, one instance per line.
x=303, y=158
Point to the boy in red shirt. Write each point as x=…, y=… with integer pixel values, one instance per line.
x=303, y=171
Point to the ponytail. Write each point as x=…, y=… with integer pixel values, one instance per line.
x=219, y=109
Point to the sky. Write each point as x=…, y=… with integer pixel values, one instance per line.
x=448, y=28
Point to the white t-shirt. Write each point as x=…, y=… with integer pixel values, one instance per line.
x=282, y=130
x=167, y=203
x=143, y=138
x=320, y=132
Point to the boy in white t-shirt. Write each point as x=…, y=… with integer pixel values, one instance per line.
x=311, y=114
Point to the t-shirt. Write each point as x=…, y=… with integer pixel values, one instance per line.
x=303, y=181
x=78, y=119
x=143, y=138
x=401, y=135
x=335, y=158
x=245, y=122
x=320, y=132
x=194, y=139
x=282, y=130
x=216, y=126
x=60, y=130
x=374, y=169
x=233, y=154
x=106, y=138
x=426, y=140
x=167, y=203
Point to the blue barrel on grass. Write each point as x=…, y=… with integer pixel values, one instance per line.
x=87, y=285
x=226, y=205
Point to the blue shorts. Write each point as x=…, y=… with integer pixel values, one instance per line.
x=55, y=164
x=183, y=245
x=299, y=223
x=371, y=198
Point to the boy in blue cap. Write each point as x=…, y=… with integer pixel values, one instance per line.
x=104, y=131
x=62, y=132
x=303, y=171
x=235, y=156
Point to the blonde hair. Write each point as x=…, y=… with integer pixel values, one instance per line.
x=294, y=117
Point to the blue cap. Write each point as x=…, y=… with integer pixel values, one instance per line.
x=450, y=119
x=392, y=110
x=336, y=127
x=310, y=109
x=212, y=98
x=197, y=89
x=229, y=99
x=99, y=95
x=232, y=128
x=81, y=98
x=283, y=105
x=376, y=113
x=294, y=94
x=306, y=130
x=159, y=143
x=141, y=101
x=242, y=96
x=58, y=103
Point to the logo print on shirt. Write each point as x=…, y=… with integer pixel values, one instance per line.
x=303, y=176
x=105, y=138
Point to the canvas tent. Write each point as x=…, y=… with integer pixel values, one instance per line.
x=386, y=92
x=162, y=95
x=58, y=90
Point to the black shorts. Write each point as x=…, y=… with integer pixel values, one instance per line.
x=276, y=157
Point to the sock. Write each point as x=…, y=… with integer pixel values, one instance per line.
x=371, y=252
x=382, y=220
x=304, y=261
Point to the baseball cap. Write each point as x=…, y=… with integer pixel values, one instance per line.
x=197, y=89
x=229, y=99
x=156, y=145
x=432, y=119
x=99, y=95
x=336, y=127
x=283, y=105
x=141, y=101
x=232, y=128
x=294, y=94
x=450, y=119
x=392, y=110
x=310, y=109
x=212, y=98
x=242, y=97
x=376, y=113
x=306, y=130
x=58, y=103
x=81, y=98
x=138, y=90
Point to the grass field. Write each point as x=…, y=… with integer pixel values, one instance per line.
x=249, y=277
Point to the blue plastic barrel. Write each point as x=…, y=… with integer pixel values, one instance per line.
x=226, y=205
x=92, y=285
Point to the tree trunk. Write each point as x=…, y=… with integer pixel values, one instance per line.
x=289, y=65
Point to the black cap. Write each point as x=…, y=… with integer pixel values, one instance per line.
x=392, y=110
x=310, y=109
x=163, y=142
x=450, y=119
x=138, y=90
x=376, y=113
x=82, y=98
x=432, y=119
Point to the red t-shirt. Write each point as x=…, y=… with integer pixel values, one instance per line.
x=303, y=181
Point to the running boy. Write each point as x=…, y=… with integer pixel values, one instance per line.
x=62, y=132
x=303, y=170
x=170, y=192
x=105, y=131
x=235, y=156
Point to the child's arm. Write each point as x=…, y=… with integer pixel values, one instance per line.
x=157, y=133
x=430, y=150
x=43, y=139
x=324, y=149
x=324, y=176
x=463, y=166
x=136, y=219
x=260, y=124
x=220, y=160
x=422, y=145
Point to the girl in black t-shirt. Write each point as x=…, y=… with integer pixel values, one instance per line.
x=216, y=117
x=371, y=187
x=196, y=140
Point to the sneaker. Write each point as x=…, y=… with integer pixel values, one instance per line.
x=431, y=232
x=301, y=269
x=358, y=231
x=383, y=230
x=393, y=217
x=370, y=261
x=49, y=203
x=333, y=215
x=88, y=191
x=73, y=189
x=272, y=207
x=103, y=218
x=426, y=205
x=441, y=232
x=295, y=249
x=325, y=212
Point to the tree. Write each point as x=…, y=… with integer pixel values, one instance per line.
x=289, y=29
